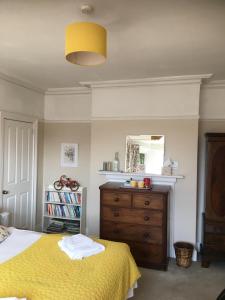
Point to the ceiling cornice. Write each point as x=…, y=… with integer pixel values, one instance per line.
x=68, y=91
x=170, y=80
x=149, y=117
x=21, y=83
x=215, y=84
x=86, y=86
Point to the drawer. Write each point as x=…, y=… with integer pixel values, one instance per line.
x=213, y=249
x=131, y=232
x=133, y=216
x=151, y=201
x=116, y=199
x=216, y=239
x=212, y=228
x=146, y=253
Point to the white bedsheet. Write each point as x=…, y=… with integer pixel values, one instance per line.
x=18, y=241
x=13, y=298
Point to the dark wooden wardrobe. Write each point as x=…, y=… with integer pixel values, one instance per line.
x=213, y=247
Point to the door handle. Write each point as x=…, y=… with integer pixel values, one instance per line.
x=4, y=192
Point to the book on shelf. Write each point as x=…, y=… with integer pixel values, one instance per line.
x=55, y=226
x=59, y=226
x=63, y=197
x=72, y=227
x=63, y=211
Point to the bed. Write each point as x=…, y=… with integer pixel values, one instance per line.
x=33, y=267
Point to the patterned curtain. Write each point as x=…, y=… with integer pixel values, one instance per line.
x=133, y=157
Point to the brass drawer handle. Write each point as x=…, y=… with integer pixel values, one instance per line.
x=147, y=202
x=146, y=235
x=146, y=218
x=116, y=214
x=116, y=199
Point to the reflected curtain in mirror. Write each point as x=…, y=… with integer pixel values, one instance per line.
x=144, y=154
x=133, y=157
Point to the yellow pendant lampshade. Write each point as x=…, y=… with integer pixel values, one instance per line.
x=85, y=44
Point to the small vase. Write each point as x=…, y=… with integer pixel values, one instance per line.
x=116, y=162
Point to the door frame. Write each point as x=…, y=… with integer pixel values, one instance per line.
x=22, y=118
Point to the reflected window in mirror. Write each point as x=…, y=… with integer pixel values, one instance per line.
x=144, y=154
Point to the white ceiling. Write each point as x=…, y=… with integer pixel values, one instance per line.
x=146, y=38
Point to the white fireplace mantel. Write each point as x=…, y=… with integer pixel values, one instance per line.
x=159, y=180
x=156, y=179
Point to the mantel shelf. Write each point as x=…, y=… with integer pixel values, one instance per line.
x=139, y=174
x=156, y=178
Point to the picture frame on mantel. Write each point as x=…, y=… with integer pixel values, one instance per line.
x=69, y=155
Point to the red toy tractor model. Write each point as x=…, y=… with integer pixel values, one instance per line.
x=65, y=181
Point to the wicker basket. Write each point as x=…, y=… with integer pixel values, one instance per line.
x=184, y=253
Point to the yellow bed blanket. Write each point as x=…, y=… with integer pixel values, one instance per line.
x=44, y=272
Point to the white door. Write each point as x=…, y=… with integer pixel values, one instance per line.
x=17, y=172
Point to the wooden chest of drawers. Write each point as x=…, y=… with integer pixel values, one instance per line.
x=137, y=217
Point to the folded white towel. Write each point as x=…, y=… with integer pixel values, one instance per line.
x=78, y=239
x=80, y=246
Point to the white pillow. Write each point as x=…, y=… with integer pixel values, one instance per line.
x=4, y=233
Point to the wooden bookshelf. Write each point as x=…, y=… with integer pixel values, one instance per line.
x=65, y=207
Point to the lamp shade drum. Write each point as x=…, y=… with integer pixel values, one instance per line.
x=85, y=44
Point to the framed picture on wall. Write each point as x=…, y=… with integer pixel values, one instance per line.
x=69, y=155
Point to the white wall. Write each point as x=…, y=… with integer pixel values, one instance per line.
x=71, y=107
x=18, y=99
x=54, y=135
x=212, y=102
x=166, y=100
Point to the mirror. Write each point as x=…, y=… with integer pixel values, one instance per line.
x=144, y=154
